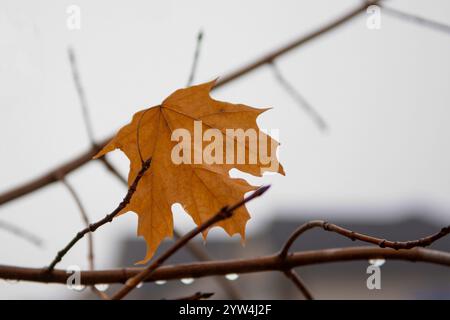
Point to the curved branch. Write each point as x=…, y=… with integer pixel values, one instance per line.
x=240, y=266
x=382, y=243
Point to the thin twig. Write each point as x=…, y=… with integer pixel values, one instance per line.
x=113, y=170
x=51, y=176
x=224, y=213
x=299, y=283
x=271, y=56
x=301, y=101
x=382, y=243
x=223, y=267
x=439, y=26
x=85, y=218
x=21, y=233
x=86, y=117
x=106, y=219
x=197, y=296
x=195, y=60
x=81, y=95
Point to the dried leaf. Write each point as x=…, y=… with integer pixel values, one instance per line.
x=201, y=188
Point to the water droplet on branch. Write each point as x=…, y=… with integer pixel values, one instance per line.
x=232, y=276
x=377, y=262
x=187, y=280
x=102, y=286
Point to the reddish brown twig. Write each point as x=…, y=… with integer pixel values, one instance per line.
x=224, y=213
x=382, y=243
x=106, y=219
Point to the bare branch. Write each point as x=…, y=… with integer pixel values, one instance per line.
x=223, y=267
x=301, y=101
x=51, y=176
x=224, y=213
x=195, y=60
x=299, y=283
x=271, y=56
x=382, y=243
x=81, y=94
x=85, y=217
x=416, y=19
x=21, y=233
x=113, y=170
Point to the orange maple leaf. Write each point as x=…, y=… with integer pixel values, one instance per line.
x=201, y=187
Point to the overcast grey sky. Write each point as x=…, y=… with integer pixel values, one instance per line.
x=384, y=94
